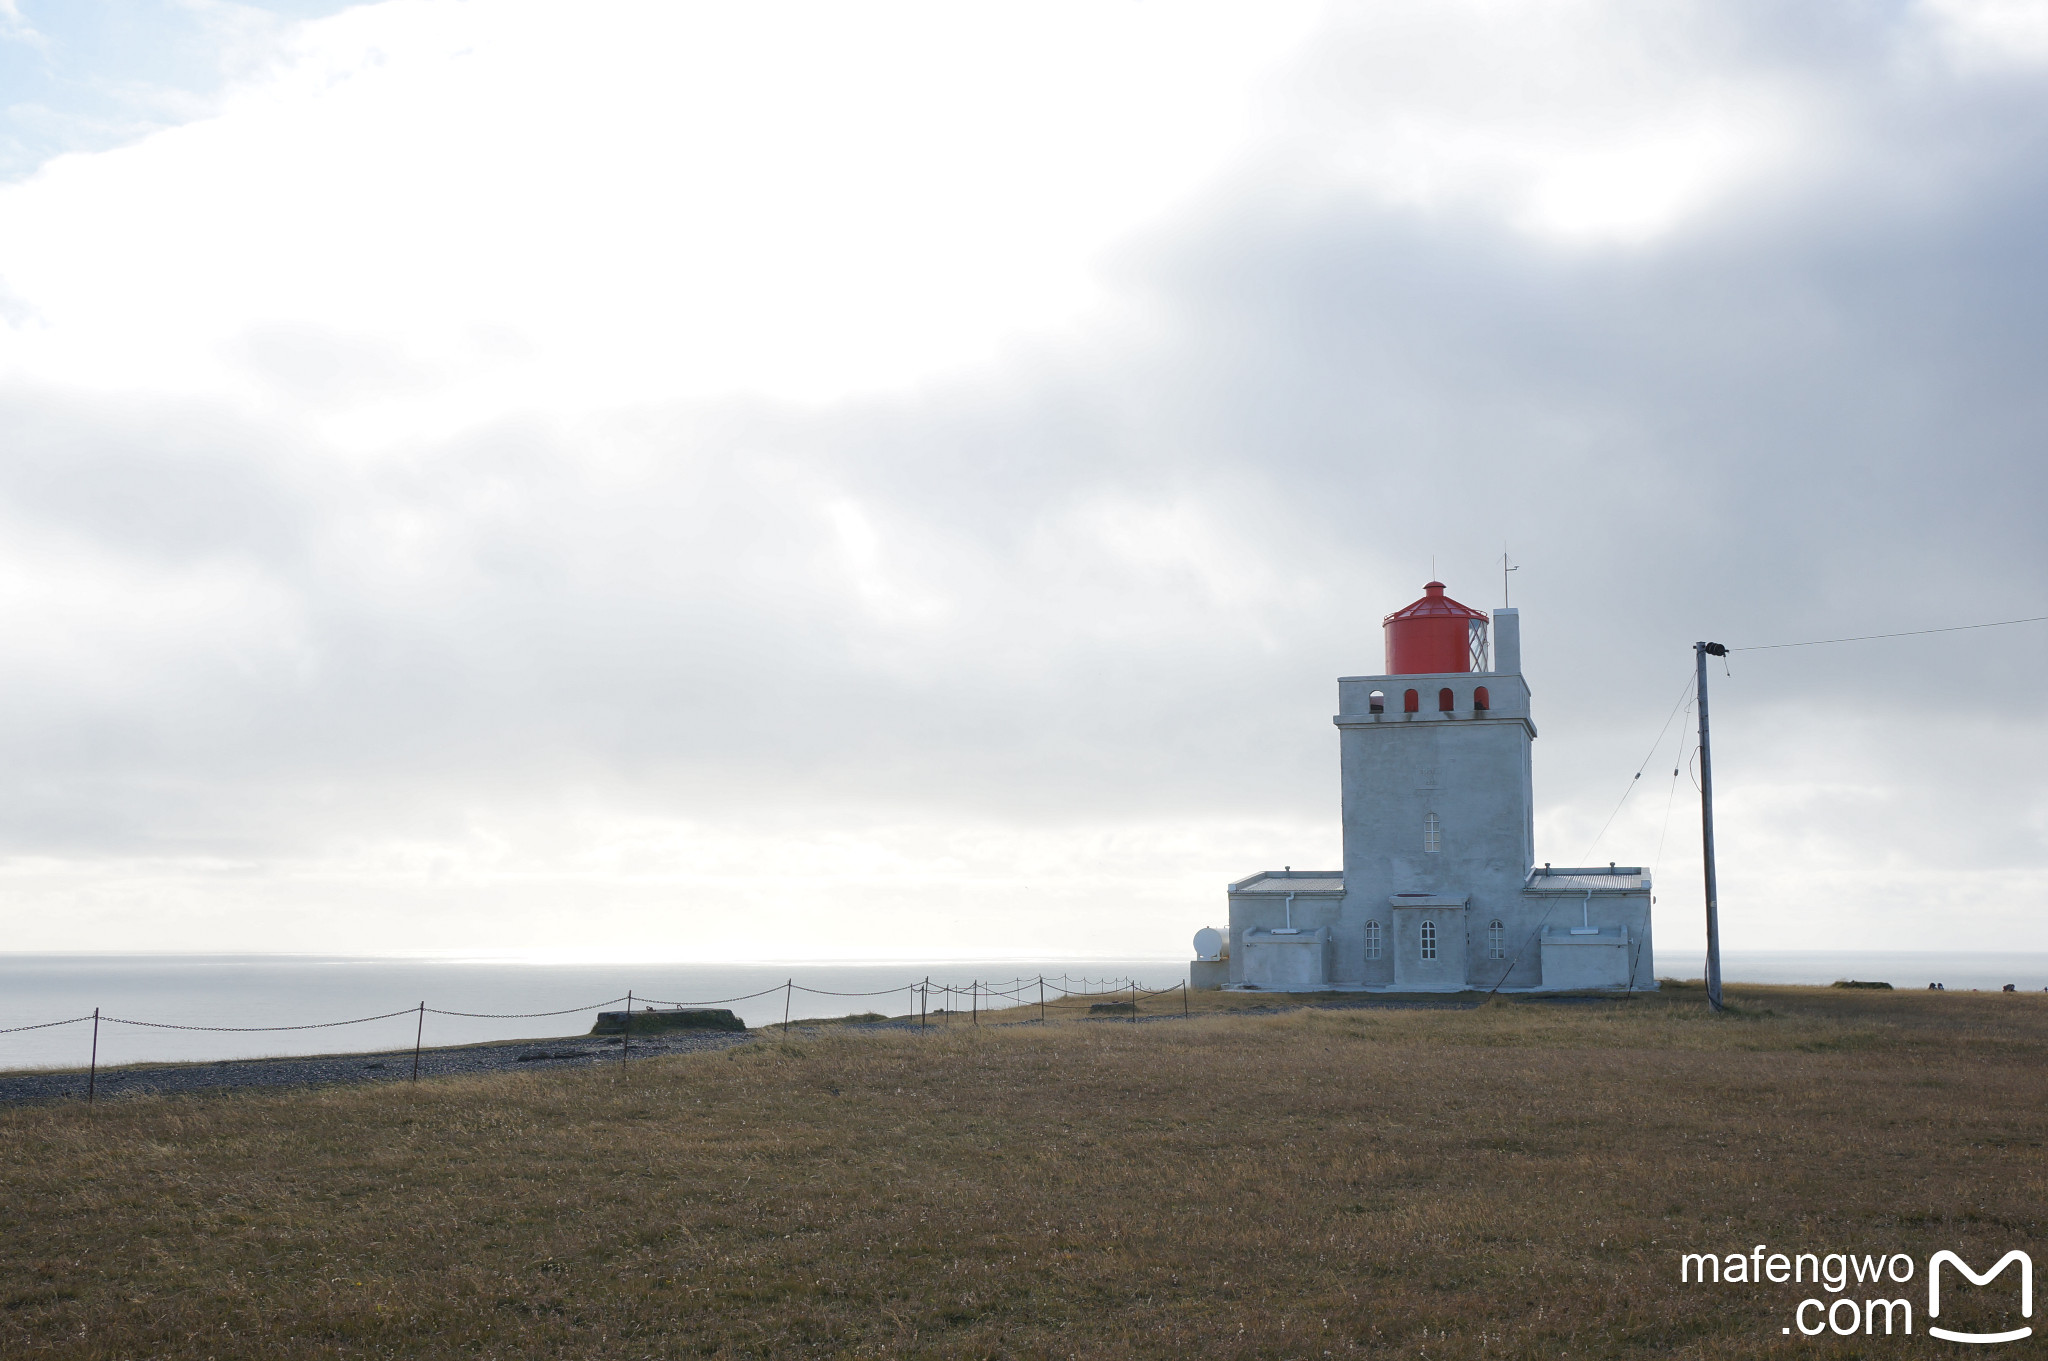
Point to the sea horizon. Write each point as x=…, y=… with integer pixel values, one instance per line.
x=216, y=991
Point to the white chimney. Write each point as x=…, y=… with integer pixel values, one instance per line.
x=1507, y=641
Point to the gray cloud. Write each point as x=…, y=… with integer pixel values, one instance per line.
x=1110, y=581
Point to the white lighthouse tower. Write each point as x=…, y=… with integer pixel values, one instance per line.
x=1440, y=890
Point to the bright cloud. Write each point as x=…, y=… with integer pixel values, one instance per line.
x=1584, y=121
x=429, y=210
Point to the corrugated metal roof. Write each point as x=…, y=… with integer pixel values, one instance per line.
x=1297, y=882
x=1579, y=883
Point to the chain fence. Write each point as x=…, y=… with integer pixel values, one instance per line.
x=1041, y=992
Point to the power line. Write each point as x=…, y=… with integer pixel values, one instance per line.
x=1910, y=633
x=1670, y=800
x=1683, y=696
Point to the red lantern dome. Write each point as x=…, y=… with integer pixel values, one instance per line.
x=1435, y=634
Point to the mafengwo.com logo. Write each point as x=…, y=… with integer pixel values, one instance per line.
x=1871, y=1294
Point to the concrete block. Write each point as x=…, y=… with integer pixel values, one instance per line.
x=1597, y=960
x=655, y=1022
x=1282, y=961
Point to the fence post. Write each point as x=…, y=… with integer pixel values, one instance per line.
x=1183, y=998
x=626, y=1036
x=788, y=992
x=974, y=1007
x=418, y=1033
x=1041, y=999
x=92, y=1071
x=924, y=1002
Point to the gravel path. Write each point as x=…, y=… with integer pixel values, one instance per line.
x=394, y=1065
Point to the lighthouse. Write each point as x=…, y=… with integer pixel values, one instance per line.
x=1440, y=890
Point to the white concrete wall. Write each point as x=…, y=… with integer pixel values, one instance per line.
x=1625, y=911
x=1472, y=770
x=1265, y=907
x=1296, y=963
x=1588, y=962
x=1448, y=971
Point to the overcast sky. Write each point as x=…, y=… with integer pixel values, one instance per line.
x=811, y=480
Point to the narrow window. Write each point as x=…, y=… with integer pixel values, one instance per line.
x=1480, y=700
x=1377, y=701
x=1496, y=940
x=1410, y=702
x=1372, y=940
x=1429, y=940
x=1445, y=700
x=1432, y=833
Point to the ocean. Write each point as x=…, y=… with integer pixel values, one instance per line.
x=294, y=990
x=300, y=990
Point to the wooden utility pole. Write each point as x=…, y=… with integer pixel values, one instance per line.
x=1702, y=651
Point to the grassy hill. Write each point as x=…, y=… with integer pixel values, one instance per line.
x=1518, y=1179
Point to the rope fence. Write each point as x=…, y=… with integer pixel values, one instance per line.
x=43, y=1025
x=1042, y=992
x=527, y=1015
x=252, y=1029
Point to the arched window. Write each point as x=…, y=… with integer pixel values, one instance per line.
x=1445, y=700
x=1372, y=940
x=1377, y=701
x=1429, y=940
x=1496, y=940
x=1410, y=702
x=1480, y=700
x=1432, y=833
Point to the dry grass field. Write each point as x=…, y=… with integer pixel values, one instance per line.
x=1516, y=1180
